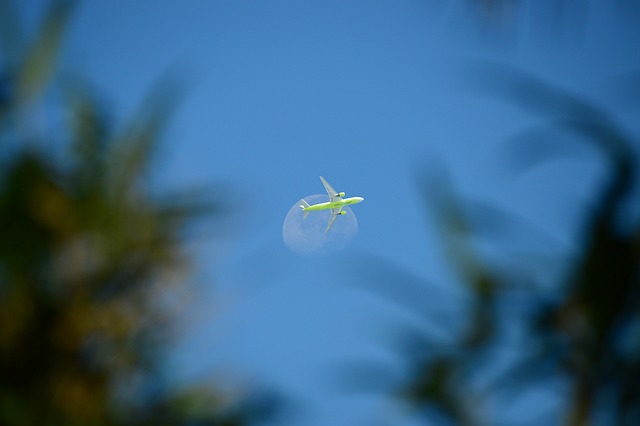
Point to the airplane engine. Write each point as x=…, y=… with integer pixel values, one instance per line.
x=341, y=194
x=343, y=212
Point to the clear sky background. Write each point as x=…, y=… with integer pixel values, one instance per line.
x=367, y=94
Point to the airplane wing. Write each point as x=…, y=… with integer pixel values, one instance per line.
x=333, y=195
x=334, y=215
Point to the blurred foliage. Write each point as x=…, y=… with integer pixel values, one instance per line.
x=92, y=258
x=553, y=20
x=589, y=333
x=578, y=343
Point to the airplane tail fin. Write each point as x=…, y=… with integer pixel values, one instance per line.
x=303, y=206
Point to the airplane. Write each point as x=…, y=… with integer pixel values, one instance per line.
x=336, y=203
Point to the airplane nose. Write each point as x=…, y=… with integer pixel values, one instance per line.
x=360, y=199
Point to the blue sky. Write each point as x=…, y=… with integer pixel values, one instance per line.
x=365, y=93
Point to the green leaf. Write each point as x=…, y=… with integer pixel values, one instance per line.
x=41, y=57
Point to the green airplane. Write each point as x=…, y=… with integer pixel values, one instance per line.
x=335, y=203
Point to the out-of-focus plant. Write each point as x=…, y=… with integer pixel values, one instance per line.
x=555, y=21
x=588, y=333
x=504, y=336
x=585, y=334
x=92, y=258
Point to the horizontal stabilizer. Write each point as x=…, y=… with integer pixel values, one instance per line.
x=304, y=205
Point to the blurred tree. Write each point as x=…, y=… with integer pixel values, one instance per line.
x=91, y=258
x=583, y=336
x=589, y=333
x=551, y=21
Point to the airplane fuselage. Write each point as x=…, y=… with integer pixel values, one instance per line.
x=335, y=204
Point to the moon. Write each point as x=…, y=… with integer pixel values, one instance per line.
x=307, y=236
